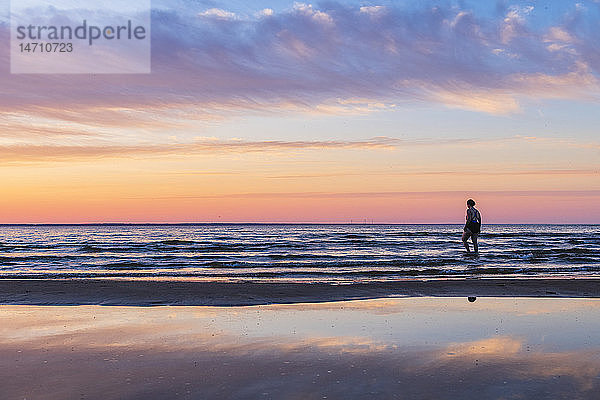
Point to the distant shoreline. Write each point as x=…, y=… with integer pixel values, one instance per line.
x=460, y=224
x=57, y=292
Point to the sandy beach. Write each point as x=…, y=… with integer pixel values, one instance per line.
x=198, y=293
x=405, y=348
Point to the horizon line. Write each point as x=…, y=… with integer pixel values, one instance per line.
x=279, y=223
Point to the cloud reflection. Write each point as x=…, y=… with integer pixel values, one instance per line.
x=294, y=352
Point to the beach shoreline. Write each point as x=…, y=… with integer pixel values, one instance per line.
x=200, y=293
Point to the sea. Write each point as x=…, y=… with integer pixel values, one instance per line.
x=343, y=253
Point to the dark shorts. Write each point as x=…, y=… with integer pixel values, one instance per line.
x=473, y=227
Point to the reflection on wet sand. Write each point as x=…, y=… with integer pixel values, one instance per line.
x=417, y=348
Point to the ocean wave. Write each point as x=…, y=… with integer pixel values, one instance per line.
x=126, y=271
x=316, y=253
x=126, y=265
x=177, y=242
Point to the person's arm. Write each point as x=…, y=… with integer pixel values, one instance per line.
x=479, y=216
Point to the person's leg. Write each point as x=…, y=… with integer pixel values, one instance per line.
x=465, y=237
x=475, y=245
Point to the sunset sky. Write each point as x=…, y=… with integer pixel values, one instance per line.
x=275, y=111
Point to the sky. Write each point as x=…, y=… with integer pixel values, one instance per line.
x=281, y=111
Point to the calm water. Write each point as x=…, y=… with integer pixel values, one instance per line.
x=333, y=253
x=410, y=349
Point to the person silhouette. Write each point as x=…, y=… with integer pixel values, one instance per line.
x=472, y=226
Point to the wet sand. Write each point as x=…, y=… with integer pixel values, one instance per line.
x=405, y=348
x=190, y=293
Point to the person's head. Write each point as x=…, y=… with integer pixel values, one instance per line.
x=471, y=203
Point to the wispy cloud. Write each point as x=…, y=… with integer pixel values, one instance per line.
x=217, y=13
x=211, y=62
x=390, y=194
x=53, y=152
x=532, y=172
x=28, y=151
